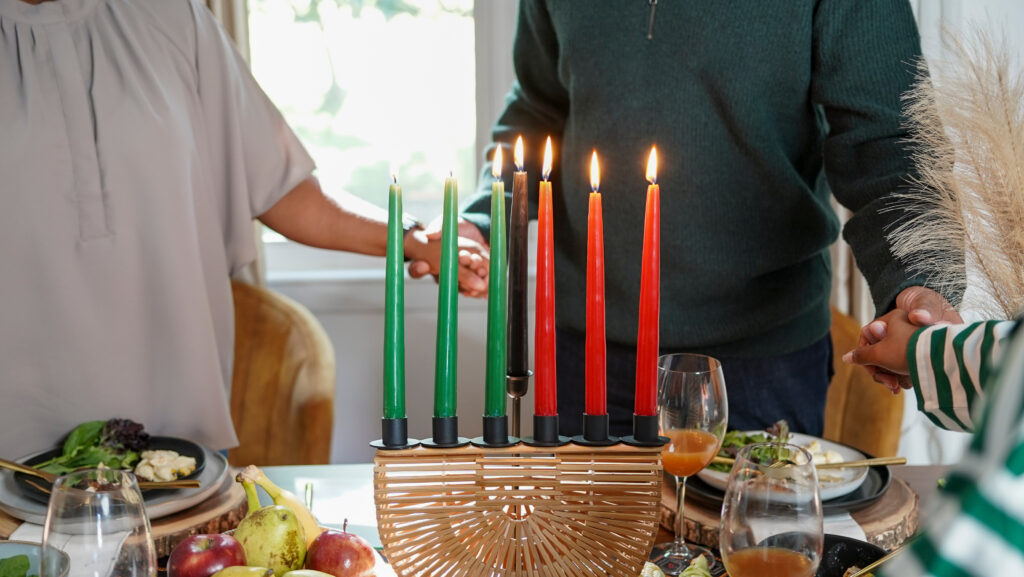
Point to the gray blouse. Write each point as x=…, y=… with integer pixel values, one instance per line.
x=135, y=150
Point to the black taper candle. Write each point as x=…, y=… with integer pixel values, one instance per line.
x=518, y=326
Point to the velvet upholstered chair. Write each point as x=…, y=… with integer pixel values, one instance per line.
x=282, y=392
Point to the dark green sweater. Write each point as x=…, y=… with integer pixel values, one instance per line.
x=760, y=109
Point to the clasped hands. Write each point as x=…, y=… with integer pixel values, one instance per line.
x=882, y=347
x=423, y=247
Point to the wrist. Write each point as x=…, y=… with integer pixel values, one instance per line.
x=411, y=241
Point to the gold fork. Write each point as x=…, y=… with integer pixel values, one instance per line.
x=51, y=477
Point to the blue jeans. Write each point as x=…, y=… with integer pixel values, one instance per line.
x=760, y=390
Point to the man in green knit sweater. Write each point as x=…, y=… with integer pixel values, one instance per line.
x=760, y=110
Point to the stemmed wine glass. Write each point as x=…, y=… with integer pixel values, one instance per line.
x=97, y=517
x=692, y=413
x=772, y=516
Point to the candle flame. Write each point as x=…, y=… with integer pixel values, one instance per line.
x=652, y=166
x=546, y=171
x=517, y=155
x=496, y=165
x=595, y=173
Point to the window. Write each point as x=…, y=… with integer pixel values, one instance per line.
x=368, y=83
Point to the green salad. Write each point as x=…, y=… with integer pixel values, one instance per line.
x=733, y=441
x=116, y=443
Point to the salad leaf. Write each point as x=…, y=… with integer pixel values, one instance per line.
x=733, y=441
x=115, y=443
x=16, y=566
x=698, y=568
x=83, y=435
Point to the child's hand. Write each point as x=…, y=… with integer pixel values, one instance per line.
x=885, y=346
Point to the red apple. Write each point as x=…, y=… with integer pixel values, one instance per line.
x=204, y=555
x=341, y=554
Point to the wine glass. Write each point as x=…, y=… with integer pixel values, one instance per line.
x=772, y=517
x=97, y=517
x=692, y=413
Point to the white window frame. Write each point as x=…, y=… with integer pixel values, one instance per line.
x=494, y=23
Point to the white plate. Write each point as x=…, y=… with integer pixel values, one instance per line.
x=838, y=482
x=168, y=502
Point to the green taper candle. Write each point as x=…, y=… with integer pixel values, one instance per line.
x=497, y=300
x=447, y=306
x=394, y=309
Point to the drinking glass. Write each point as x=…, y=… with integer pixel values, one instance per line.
x=771, y=517
x=97, y=517
x=692, y=413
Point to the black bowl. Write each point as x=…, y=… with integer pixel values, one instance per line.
x=181, y=446
x=840, y=553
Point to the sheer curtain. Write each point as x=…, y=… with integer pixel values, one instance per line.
x=234, y=17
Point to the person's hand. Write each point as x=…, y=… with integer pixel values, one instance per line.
x=474, y=257
x=923, y=307
x=884, y=347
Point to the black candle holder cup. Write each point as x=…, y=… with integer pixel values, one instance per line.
x=595, y=432
x=394, y=435
x=495, y=434
x=545, y=433
x=446, y=434
x=645, y=432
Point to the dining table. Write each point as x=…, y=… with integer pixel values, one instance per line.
x=342, y=495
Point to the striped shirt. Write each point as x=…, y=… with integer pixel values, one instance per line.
x=950, y=365
x=977, y=527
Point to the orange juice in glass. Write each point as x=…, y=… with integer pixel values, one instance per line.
x=692, y=413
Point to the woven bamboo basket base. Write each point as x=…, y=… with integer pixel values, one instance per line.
x=519, y=511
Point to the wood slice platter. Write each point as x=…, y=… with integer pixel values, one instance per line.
x=887, y=523
x=221, y=512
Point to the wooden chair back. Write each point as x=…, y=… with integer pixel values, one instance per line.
x=282, y=391
x=859, y=412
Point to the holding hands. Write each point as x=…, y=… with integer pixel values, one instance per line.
x=883, y=342
x=474, y=256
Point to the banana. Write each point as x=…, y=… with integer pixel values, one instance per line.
x=243, y=571
x=310, y=526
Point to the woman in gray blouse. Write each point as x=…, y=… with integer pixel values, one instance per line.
x=136, y=149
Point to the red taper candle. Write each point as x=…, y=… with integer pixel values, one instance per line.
x=596, y=397
x=650, y=293
x=545, y=396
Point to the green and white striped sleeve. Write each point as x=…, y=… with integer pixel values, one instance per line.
x=949, y=366
x=977, y=529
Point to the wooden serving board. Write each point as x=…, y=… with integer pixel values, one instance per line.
x=221, y=512
x=887, y=523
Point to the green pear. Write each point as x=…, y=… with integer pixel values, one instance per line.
x=271, y=536
x=307, y=573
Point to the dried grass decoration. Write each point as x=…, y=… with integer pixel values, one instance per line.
x=967, y=124
x=518, y=511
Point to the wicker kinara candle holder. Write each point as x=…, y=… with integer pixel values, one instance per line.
x=517, y=511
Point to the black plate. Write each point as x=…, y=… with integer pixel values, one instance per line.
x=871, y=490
x=180, y=446
x=841, y=553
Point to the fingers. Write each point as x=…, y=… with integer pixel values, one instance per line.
x=470, y=231
x=926, y=307
x=475, y=262
x=419, y=268
x=471, y=284
x=873, y=332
